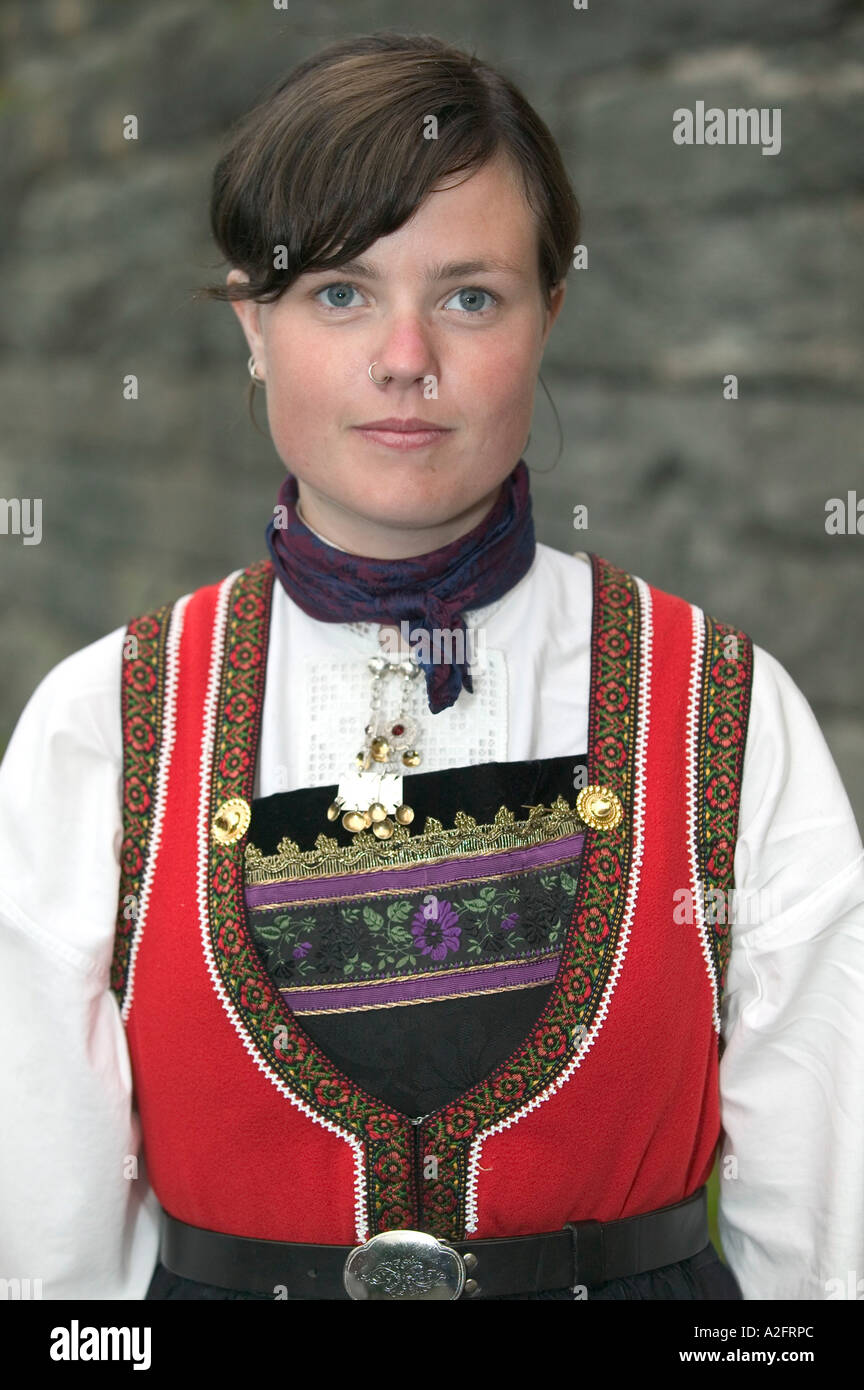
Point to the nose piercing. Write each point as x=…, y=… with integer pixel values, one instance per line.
x=374, y=378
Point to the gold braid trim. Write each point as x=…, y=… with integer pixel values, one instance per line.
x=434, y=845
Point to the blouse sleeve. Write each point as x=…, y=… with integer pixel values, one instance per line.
x=76, y=1211
x=791, y=1208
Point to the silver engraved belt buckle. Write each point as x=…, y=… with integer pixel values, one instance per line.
x=404, y=1265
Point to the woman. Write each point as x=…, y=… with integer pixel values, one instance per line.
x=385, y=914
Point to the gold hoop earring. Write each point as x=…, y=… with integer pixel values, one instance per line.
x=259, y=380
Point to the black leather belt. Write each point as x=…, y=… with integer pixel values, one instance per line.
x=414, y=1265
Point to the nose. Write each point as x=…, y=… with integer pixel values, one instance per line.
x=402, y=349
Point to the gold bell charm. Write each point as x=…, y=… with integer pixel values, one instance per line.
x=410, y=757
x=380, y=749
x=404, y=814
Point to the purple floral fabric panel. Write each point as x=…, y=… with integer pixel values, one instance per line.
x=482, y=925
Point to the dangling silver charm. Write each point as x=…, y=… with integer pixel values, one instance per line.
x=369, y=795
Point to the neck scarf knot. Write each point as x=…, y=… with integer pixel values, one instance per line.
x=430, y=592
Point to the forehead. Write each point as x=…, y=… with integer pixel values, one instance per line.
x=482, y=215
x=490, y=201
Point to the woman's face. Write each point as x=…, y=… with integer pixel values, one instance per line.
x=450, y=308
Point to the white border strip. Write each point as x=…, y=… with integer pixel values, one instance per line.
x=475, y=1152
x=160, y=787
x=697, y=887
x=207, y=742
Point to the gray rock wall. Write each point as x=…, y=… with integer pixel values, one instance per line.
x=702, y=261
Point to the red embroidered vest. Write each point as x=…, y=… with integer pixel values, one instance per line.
x=610, y=1106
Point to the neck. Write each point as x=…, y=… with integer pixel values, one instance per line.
x=371, y=540
x=325, y=539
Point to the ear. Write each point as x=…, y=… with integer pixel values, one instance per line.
x=248, y=312
x=556, y=301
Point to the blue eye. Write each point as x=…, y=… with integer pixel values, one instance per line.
x=469, y=300
x=338, y=288
x=339, y=296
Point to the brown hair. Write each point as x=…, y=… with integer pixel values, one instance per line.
x=334, y=157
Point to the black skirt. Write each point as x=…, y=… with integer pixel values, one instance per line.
x=702, y=1276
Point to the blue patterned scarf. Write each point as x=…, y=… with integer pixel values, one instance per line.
x=428, y=591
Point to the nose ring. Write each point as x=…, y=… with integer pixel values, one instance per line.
x=374, y=378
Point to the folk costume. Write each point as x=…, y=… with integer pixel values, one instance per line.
x=482, y=989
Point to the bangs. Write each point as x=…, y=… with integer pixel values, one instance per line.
x=345, y=149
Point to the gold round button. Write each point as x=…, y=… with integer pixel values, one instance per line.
x=231, y=821
x=600, y=807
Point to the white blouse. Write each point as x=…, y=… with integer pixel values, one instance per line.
x=76, y=1209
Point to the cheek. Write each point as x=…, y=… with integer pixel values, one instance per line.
x=498, y=396
x=497, y=374
x=305, y=384
x=297, y=359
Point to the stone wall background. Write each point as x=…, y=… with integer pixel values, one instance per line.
x=702, y=261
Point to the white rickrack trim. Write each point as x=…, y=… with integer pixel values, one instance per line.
x=697, y=886
x=638, y=849
x=169, y=734
x=361, y=1220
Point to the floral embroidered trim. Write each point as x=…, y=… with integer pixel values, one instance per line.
x=586, y=1040
x=274, y=1032
x=726, y=682
x=591, y=947
x=276, y=1041
x=694, y=895
x=142, y=691
x=393, y=1144
x=434, y=845
x=204, y=826
x=163, y=767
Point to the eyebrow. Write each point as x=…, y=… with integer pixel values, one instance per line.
x=448, y=270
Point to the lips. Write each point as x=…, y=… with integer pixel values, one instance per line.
x=393, y=433
x=412, y=426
